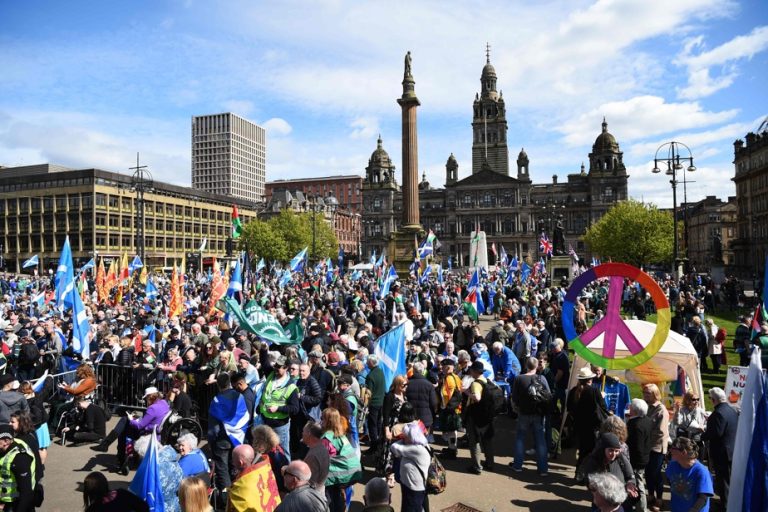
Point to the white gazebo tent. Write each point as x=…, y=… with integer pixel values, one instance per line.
x=662, y=367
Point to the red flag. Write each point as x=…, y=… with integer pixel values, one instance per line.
x=493, y=249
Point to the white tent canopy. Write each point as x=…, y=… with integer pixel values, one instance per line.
x=662, y=367
x=362, y=266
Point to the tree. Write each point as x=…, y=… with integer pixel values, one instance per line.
x=295, y=231
x=262, y=239
x=633, y=232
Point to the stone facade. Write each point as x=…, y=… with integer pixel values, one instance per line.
x=751, y=165
x=510, y=209
x=711, y=228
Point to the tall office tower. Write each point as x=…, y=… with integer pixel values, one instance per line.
x=229, y=156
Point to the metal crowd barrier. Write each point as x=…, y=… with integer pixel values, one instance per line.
x=59, y=378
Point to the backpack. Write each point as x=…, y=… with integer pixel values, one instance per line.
x=456, y=397
x=435, y=480
x=493, y=399
x=538, y=398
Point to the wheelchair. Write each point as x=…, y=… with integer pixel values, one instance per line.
x=173, y=426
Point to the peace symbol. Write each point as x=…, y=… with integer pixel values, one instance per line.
x=612, y=325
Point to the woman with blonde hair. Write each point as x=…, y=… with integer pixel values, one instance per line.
x=193, y=495
x=689, y=419
x=344, y=469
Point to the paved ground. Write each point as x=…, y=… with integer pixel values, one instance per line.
x=501, y=490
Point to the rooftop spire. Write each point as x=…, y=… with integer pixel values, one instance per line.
x=605, y=125
x=487, y=53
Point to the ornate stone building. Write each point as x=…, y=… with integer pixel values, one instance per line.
x=711, y=226
x=751, y=161
x=510, y=209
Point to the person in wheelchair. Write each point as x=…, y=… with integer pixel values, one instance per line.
x=84, y=386
x=134, y=427
x=178, y=397
x=192, y=460
x=90, y=423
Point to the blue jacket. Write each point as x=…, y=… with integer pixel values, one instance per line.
x=505, y=364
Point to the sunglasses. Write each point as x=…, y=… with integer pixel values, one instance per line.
x=695, y=400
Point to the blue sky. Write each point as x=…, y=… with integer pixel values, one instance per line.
x=88, y=84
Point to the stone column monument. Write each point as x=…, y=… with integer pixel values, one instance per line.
x=401, y=245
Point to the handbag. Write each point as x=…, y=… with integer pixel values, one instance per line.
x=435, y=480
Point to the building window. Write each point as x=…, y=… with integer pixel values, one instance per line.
x=101, y=200
x=112, y=201
x=467, y=200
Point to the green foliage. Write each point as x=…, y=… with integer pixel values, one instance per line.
x=633, y=232
x=262, y=239
x=284, y=235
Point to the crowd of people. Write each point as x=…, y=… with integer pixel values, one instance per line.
x=322, y=410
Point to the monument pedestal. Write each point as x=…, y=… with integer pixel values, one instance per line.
x=717, y=272
x=560, y=267
x=402, y=247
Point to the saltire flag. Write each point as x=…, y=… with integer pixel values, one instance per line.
x=525, y=273
x=390, y=349
x=340, y=260
x=81, y=328
x=514, y=266
x=390, y=278
x=236, y=281
x=510, y=281
x=356, y=274
x=425, y=249
x=146, y=482
x=37, y=386
x=31, y=262
x=749, y=483
x=38, y=299
x=232, y=412
x=472, y=304
x=414, y=268
x=440, y=273
x=91, y=264
x=136, y=263
x=503, y=257
x=297, y=263
x=474, y=281
x=416, y=302
x=150, y=291
x=64, y=273
x=260, y=265
x=237, y=226
x=373, y=258
x=330, y=273
x=285, y=278
x=545, y=246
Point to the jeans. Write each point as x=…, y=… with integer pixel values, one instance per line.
x=284, y=433
x=653, y=475
x=221, y=455
x=480, y=437
x=375, y=425
x=414, y=501
x=642, y=501
x=534, y=423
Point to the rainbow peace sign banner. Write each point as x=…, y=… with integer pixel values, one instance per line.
x=612, y=326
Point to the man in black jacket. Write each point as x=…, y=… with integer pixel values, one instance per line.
x=421, y=394
x=310, y=395
x=639, y=443
x=721, y=435
x=91, y=423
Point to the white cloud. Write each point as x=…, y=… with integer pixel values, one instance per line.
x=364, y=127
x=277, y=127
x=700, y=65
x=641, y=117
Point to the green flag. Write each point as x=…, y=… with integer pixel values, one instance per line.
x=262, y=323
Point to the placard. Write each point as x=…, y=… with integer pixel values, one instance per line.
x=735, y=380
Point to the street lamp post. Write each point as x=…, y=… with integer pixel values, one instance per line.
x=673, y=161
x=141, y=182
x=317, y=204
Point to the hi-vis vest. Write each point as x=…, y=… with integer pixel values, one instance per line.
x=277, y=397
x=9, y=491
x=344, y=468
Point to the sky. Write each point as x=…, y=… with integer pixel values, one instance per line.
x=90, y=84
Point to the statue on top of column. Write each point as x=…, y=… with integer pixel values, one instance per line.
x=407, y=64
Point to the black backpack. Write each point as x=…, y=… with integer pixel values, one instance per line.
x=493, y=399
x=538, y=397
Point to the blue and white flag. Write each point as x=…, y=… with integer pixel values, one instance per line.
x=340, y=260
x=515, y=265
x=440, y=273
x=260, y=265
x=416, y=303
x=91, y=264
x=65, y=277
x=745, y=476
x=510, y=281
x=390, y=278
x=232, y=411
x=474, y=281
x=525, y=273
x=297, y=263
x=491, y=295
x=356, y=275
x=285, y=279
x=133, y=265
x=373, y=258
x=425, y=275
x=426, y=249
x=503, y=256
x=390, y=349
x=150, y=291
x=146, y=482
x=381, y=260
x=236, y=281
x=329, y=273
x=37, y=386
x=81, y=328
x=31, y=262
x=450, y=263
